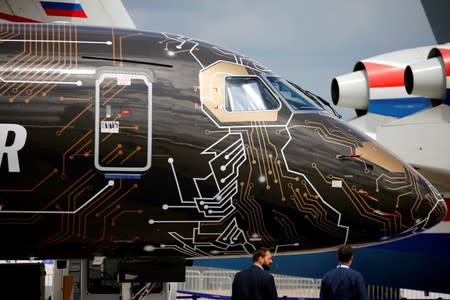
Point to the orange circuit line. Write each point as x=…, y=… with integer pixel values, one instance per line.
x=120, y=152
x=12, y=85
x=48, y=67
x=112, y=152
x=135, y=127
x=46, y=241
x=139, y=211
x=109, y=89
x=138, y=148
x=110, y=196
x=91, y=210
x=108, y=82
x=135, y=186
x=106, y=137
x=82, y=147
x=73, y=146
x=120, y=44
x=36, y=186
x=60, y=132
x=104, y=220
x=67, y=234
x=115, y=94
x=68, y=189
x=62, y=98
x=18, y=55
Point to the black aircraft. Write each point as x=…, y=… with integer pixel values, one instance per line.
x=125, y=143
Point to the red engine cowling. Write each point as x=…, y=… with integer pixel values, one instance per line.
x=377, y=84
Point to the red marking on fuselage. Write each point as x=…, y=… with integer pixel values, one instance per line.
x=126, y=112
x=13, y=18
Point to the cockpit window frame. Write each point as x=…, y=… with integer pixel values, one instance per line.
x=286, y=102
x=266, y=85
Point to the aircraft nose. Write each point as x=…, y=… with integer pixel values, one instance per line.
x=438, y=211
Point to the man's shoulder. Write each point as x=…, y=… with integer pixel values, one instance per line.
x=338, y=270
x=329, y=274
x=355, y=273
x=246, y=271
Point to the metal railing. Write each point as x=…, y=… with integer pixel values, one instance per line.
x=219, y=282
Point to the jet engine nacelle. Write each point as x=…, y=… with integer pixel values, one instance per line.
x=377, y=84
x=430, y=78
x=351, y=90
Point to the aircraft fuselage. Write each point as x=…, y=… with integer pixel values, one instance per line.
x=129, y=143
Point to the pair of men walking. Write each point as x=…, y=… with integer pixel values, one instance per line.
x=340, y=283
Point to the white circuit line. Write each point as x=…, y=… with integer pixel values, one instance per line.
x=78, y=83
x=151, y=221
x=313, y=187
x=178, y=206
x=429, y=214
x=108, y=185
x=58, y=41
x=285, y=245
x=170, y=161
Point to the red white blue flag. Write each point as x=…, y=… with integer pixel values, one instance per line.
x=63, y=9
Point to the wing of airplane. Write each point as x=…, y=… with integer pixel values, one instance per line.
x=84, y=12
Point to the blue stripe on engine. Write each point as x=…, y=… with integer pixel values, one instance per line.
x=61, y=5
x=398, y=107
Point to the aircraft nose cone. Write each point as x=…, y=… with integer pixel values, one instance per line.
x=437, y=215
x=431, y=208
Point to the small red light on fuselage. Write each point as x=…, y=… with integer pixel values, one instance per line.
x=125, y=112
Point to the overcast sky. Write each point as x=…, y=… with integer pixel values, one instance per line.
x=308, y=42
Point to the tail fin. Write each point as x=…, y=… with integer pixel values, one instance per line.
x=437, y=14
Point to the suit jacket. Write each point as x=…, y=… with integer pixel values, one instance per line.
x=343, y=284
x=254, y=284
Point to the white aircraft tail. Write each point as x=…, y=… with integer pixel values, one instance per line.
x=84, y=12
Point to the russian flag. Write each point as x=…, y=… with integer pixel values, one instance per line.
x=62, y=9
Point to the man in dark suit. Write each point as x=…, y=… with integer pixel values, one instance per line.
x=343, y=283
x=256, y=283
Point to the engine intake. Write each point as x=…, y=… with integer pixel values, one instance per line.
x=351, y=90
x=426, y=78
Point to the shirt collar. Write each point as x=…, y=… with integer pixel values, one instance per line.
x=343, y=266
x=255, y=264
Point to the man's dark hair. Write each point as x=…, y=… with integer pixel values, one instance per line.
x=261, y=252
x=345, y=253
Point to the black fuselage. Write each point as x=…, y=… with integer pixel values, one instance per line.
x=119, y=143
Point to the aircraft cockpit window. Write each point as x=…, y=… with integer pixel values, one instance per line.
x=295, y=99
x=248, y=93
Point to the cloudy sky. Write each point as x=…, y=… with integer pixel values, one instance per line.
x=308, y=42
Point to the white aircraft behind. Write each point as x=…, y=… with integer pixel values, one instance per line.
x=402, y=100
x=83, y=12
